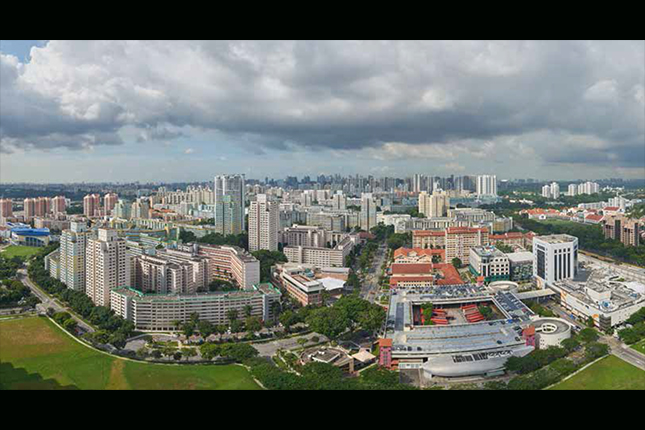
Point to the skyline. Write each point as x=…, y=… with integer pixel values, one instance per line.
x=183, y=111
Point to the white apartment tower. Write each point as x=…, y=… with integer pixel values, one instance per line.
x=555, y=190
x=72, y=256
x=487, y=185
x=264, y=222
x=107, y=266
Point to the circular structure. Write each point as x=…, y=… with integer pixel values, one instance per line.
x=498, y=286
x=551, y=331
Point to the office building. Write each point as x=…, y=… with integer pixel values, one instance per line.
x=489, y=262
x=555, y=257
x=264, y=220
x=487, y=185
x=521, y=266
x=107, y=266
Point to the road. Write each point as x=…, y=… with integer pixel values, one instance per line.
x=624, y=352
x=47, y=301
x=370, y=284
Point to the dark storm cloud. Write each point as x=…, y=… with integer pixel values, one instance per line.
x=578, y=101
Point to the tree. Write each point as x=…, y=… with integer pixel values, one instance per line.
x=590, y=322
x=69, y=325
x=587, y=335
x=288, y=318
x=247, y=310
x=267, y=260
x=331, y=322
x=206, y=328
x=231, y=314
x=253, y=324
x=570, y=344
x=457, y=262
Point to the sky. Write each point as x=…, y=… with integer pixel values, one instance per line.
x=94, y=111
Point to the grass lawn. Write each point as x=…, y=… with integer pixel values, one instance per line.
x=35, y=354
x=639, y=346
x=610, y=373
x=20, y=251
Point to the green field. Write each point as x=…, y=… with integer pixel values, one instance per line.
x=610, y=373
x=35, y=354
x=20, y=251
x=639, y=346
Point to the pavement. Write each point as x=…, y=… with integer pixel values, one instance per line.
x=268, y=349
x=48, y=302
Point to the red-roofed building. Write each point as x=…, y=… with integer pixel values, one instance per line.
x=417, y=255
x=424, y=275
x=593, y=219
x=456, y=241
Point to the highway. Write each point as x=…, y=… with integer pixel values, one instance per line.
x=48, y=302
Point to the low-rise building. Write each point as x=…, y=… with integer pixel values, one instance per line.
x=520, y=266
x=602, y=294
x=161, y=312
x=489, y=262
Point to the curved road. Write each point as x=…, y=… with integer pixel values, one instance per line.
x=48, y=301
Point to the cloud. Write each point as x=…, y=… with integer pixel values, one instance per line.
x=436, y=100
x=189, y=151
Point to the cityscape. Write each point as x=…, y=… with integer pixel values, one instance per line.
x=263, y=220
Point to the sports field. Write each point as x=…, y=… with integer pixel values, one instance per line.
x=20, y=251
x=36, y=354
x=640, y=346
x=610, y=373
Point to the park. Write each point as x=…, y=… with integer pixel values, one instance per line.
x=36, y=354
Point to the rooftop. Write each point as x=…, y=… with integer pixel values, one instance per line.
x=557, y=238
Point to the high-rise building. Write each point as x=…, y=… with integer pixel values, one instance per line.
x=264, y=221
x=29, y=208
x=572, y=190
x=92, y=205
x=435, y=205
x=107, y=266
x=555, y=190
x=546, y=191
x=59, y=205
x=339, y=201
x=122, y=209
x=368, y=212
x=555, y=257
x=487, y=185
x=42, y=206
x=72, y=256
x=152, y=274
x=109, y=201
x=229, y=191
x=6, y=208
x=140, y=209
x=619, y=227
